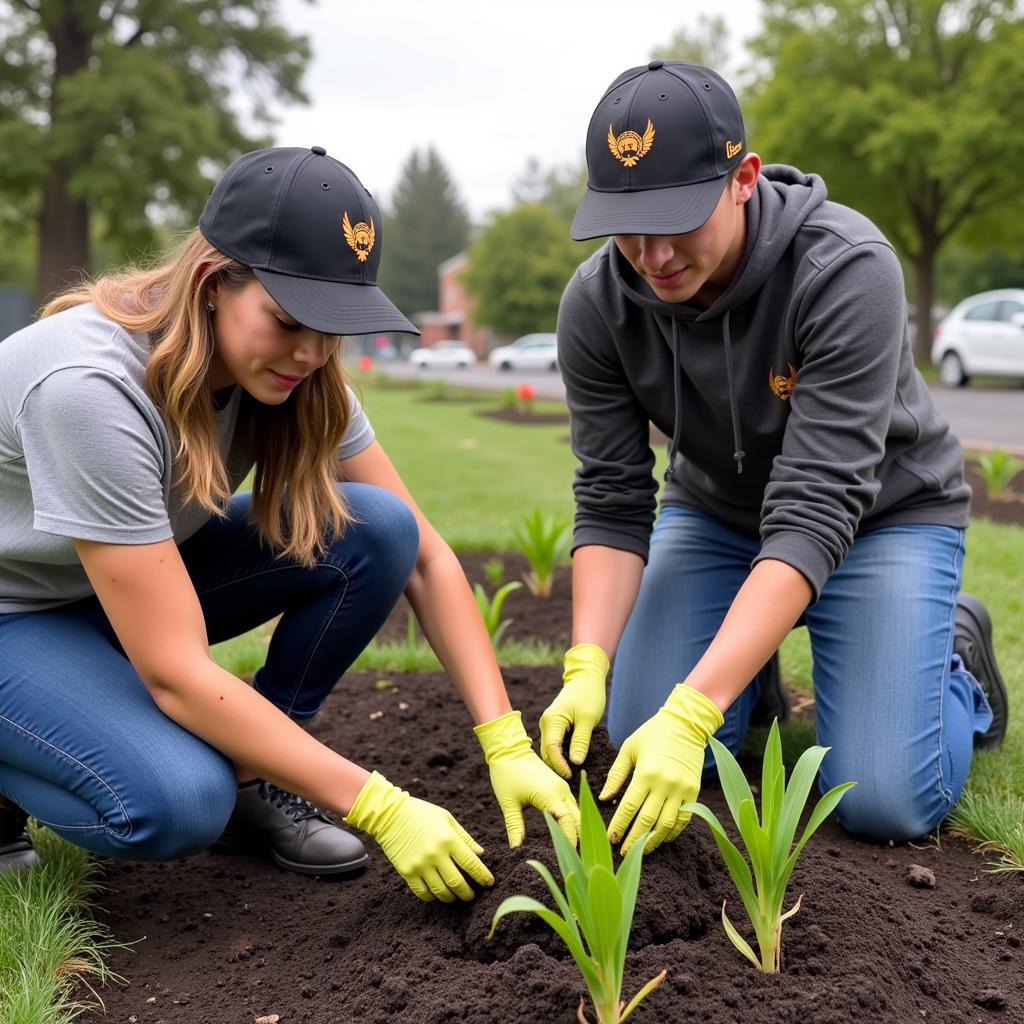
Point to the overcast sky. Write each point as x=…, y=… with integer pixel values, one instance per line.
x=487, y=84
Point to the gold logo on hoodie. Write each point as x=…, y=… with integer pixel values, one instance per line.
x=782, y=387
x=629, y=147
x=360, y=238
x=732, y=148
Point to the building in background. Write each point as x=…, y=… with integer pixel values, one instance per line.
x=452, y=320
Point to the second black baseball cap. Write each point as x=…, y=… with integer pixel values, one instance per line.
x=659, y=147
x=312, y=234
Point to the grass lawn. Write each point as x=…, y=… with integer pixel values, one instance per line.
x=475, y=478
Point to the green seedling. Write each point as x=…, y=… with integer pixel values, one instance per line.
x=490, y=610
x=494, y=572
x=768, y=842
x=595, y=910
x=545, y=542
x=998, y=468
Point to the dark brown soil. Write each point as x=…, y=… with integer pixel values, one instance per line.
x=1008, y=509
x=548, y=619
x=523, y=417
x=224, y=939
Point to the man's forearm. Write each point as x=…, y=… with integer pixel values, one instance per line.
x=605, y=582
x=765, y=609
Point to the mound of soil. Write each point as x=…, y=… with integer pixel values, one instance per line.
x=222, y=938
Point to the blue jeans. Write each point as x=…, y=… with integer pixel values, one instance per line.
x=84, y=748
x=893, y=702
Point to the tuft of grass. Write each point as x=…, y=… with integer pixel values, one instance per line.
x=50, y=945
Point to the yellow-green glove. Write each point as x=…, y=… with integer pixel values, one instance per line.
x=427, y=846
x=578, y=706
x=520, y=779
x=666, y=756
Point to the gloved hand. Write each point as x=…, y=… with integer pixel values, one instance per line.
x=579, y=706
x=666, y=756
x=424, y=842
x=519, y=778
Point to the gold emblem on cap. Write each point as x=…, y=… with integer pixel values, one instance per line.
x=629, y=147
x=360, y=238
x=732, y=148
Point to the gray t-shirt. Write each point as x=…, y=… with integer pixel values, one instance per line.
x=85, y=454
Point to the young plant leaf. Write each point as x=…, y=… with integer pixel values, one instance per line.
x=737, y=940
x=595, y=847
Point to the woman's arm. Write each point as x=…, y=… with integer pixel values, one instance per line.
x=146, y=593
x=441, y=598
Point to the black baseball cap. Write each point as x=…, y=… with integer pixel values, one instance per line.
x=312, y=235
x=659, y=148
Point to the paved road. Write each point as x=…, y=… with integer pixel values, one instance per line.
x=982, y=415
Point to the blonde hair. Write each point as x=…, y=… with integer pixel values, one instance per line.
x=296, y=501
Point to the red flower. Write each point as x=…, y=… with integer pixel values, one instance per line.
x=365, y=364
x=525, y=392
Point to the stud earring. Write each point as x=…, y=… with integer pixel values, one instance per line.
x=210, y=306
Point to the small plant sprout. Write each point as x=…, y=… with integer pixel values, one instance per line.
x=595, y=910
x=494, y=571
x=545, y=542
x=998, y=468
x=490, y=610
x=769, y=842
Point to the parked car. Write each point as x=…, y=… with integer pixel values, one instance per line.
x=441, y=354
x=530, y=352
x=981, y=336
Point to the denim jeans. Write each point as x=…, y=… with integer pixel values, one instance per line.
x=83, y=746
x=893, y=702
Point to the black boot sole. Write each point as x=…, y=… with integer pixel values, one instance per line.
x=248, y=846
x=973, y=619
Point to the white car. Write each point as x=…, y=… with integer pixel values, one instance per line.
x=982, y=336
x=530, y=352
x=443, y=354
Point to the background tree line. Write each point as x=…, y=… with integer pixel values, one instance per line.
x=117, y=115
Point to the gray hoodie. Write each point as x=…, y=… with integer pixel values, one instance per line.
x=793, y=404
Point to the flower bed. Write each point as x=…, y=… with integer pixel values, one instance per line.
x=228, y=939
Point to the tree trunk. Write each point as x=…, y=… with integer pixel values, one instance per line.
x=63, y=219
x=63, y=235
x=924, y=288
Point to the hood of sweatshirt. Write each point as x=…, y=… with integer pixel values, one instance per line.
x=783, y=199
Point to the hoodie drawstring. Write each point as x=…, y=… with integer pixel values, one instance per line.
x=737, y=435
x=673, y=450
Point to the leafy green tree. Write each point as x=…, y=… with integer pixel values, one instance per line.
x=905, y=108
x=121, y=109
x=518, y=268
x=706, y=43
x=427, y=225
x=963, y=272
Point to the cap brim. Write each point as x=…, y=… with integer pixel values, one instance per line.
x=334, y=307
x=654, y=211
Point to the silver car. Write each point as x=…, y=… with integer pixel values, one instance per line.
x=530, y=352
x=982, y=336
x=443, y=354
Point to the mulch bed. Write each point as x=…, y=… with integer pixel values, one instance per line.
x=222, y=938
x=1009, y=509
x=521, y=416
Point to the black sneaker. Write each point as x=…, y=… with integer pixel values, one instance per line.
x=773, y=701
x=16, y=850
x=972, y=640
x=291, y=831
